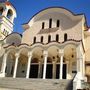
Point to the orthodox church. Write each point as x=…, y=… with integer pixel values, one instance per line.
x=53, y=52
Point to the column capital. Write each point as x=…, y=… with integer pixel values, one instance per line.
x=29, y=54
x=61, y=52
x=17, y=54
x=54, y=61
x=45, y=53
x=5, y=54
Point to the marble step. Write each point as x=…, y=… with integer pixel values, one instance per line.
x=35, y=84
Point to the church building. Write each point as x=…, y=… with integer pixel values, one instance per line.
x=53, y=52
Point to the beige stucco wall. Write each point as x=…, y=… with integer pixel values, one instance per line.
x=73, y=27
x=87, y=52
x=87, y=48
x=87, y=43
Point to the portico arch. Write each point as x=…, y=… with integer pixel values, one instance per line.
x=23, y=61
x=53, y=54
x=70, y=58
x=36, y=63
x=10, y=62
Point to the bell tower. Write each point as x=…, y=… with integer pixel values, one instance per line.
x=7, y=16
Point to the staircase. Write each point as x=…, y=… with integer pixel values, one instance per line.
x=34, y=84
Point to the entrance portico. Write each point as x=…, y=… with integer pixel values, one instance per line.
x=51, y=63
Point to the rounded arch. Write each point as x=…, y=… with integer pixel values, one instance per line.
x=70, y=57
x=57, y=37
x=41, y=39
x=37, y=45
x=74, y=43
x=37, y=52
x=1, y=10
x=10, y=62
x=36, y=48
x=9, y=14
x=65, y=37
x=8, y=5
x=53, y=44
x=49, y=38
x=70, y=45
x=34, y=40
x=23, y=49
x=53, y=52
x=10, y=49
x=70, y=51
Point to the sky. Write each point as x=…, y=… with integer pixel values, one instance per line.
x=27, y=8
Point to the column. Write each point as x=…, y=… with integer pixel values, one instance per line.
x=3, y=68
x=84, y=64
x=28, y=64
x=39, y=69
x=45, y=63
x=16, y=64
x=54, y=70
x=67, y=62
x=79, y=59
x=61, y=53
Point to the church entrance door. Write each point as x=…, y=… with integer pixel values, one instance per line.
x=49, y=71
x=34, y=71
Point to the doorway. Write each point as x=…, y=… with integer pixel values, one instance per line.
x=33, y=71
x=49, y=71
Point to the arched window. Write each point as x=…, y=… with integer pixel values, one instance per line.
x=50, y=23
x=58, y=23
x=1, y=10
x=43, y=24
x=41, y=38
x=57, y=37
x=49, y=38
x=65, y=37
x=34, y=40
x=9, y=14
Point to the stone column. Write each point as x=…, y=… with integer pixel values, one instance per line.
x=28, y=64
x=16, y=64
x=84, y=64
x=61, y=54
x=79, y=59
x=39, y=69
x=45, y=54
x=3, y=68
x=67, y=62
x=54, y=70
